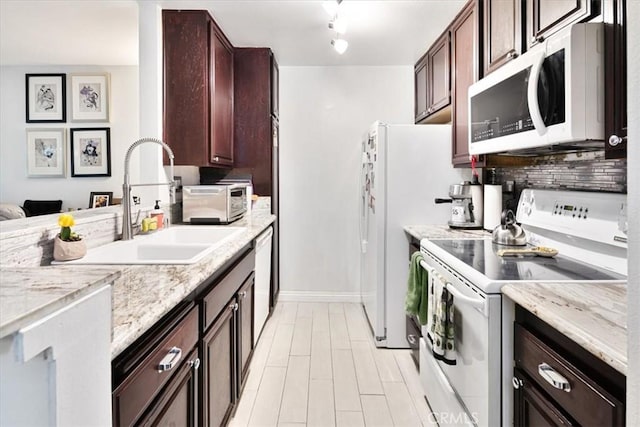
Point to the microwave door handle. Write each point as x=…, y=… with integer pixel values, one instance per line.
x=532, y=94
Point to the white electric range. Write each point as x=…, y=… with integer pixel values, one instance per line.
x=589, y=231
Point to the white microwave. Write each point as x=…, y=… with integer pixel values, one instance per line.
x=551, y=95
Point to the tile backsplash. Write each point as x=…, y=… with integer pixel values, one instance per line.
x=584, y=172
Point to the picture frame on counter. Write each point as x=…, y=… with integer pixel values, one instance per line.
x=89, y=97
x=90, y=152
x=45, y=96
x=46, y=153
x=100, y=199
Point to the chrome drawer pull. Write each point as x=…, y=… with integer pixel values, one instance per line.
x=552, y=377
x=411, y=338
x=170, y=360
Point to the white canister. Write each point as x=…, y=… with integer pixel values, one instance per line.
x=492, y=206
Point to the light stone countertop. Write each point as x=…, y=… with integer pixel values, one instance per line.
x=29, y=294
x=593, y=315
x=141, y=294
x=442, y=231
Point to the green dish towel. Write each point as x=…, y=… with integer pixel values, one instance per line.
x=416, y=302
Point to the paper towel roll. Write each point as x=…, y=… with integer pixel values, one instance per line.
x=492, y=206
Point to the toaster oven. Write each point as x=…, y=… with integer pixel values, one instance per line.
x=214, y=204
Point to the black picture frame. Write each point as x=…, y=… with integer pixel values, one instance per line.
x=46, y=98
x=90, y=152
x=100, y=199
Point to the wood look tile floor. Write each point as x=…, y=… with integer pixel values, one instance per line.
x=316, y=365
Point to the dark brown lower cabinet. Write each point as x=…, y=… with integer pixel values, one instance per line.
x=559, y=383
x=178, y=403
x=245, y=328
x=533, y=408
x=218, y=374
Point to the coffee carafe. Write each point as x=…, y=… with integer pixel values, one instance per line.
x=463, y=214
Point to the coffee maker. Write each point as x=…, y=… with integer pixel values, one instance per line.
x=464, y=214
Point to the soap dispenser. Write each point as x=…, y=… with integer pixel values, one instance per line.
x=158, y=214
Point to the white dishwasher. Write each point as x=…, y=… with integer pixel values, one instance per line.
x=263, y=281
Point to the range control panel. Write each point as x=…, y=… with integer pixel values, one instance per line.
x=568, y=210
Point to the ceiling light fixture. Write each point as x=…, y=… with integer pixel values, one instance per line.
x=339, y=25
x=331, y=6
x=340, y=45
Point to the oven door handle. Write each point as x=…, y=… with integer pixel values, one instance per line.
x=478, y=303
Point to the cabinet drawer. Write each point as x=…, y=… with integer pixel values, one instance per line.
x=135, y=393
x=218, y=297
x=584, y=400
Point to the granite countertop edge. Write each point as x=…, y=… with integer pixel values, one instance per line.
x=443, y=231
x=597, y=322
x=32, y=294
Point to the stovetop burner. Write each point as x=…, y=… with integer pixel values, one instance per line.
x=480, y=254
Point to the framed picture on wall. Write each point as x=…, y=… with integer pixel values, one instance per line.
x=46, y=98
x=90, y=152
x=100, y=199
x=45, y=153
x=90, y=97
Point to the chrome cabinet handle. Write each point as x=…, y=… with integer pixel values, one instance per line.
x=243, y=294
x=216, y=159
x=512, y=55
x=233, y=307
x=412, y=339
x=170, y=360
x=538, y=39
x=195, y=364
x=554, y=378
x=516, y=382
x=616, y=140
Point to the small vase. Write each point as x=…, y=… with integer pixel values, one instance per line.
x=67, y=251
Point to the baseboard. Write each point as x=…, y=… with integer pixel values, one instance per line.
x=315, y=296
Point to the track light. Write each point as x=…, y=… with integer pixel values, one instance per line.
x=331, y=6
x=340, y=45
x=338, y=24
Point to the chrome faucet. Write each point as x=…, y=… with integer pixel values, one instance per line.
x=127, y=227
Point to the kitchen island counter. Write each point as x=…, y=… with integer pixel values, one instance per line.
x=593, y=315
x=141, y=294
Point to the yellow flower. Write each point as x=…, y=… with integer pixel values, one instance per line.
x=66, y=220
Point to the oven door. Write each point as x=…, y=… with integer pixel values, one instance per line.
x=472, y=385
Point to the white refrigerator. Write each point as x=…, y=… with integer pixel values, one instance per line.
x=404, y=168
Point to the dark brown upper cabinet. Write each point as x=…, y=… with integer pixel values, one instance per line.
x=198, y=89
x=502, y=32
x=433, y=82
x=420, y=86
x=615, y=78
x=464, y=59
x=545, y=17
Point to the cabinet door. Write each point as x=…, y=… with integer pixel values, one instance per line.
x=502, y=32
x=438, y=86
x=275, y=87
x=420, y=75
x=532, y=408
x=186, y=85
x=615, y=78
x=221, y=125
x=464, y=57
x=545, y=17
x=219, y=369
x=177, y=405
x=245, y=327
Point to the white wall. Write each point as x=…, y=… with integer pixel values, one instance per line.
x=633, y=197
x=324, y=112
x=15, y=186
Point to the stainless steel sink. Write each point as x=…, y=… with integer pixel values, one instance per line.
x=176, y=245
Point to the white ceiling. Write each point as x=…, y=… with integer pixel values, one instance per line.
x=104, y=32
